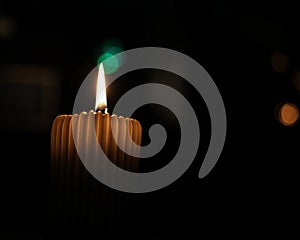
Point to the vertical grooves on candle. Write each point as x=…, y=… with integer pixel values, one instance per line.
x=70, y=173
x=76, y=196
x=63, y=166
x=77, y=121
x=115, y=125
x=53, y=140
x=84, y=129
x=106, y=135
x=139, y=140
x=100, y=131
x=111, y=199
x=122, y=132
x=55, y=161
x=121, y=137
x=114, y=148
x=54, y=150
x=60, y=144
x=137, y=136
x=107, y=194
x=89, y=156
x=57, y=143
x=93, y=211
x=128, y=163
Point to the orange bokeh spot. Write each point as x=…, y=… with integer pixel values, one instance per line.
x=279, y=62
x=288, y=114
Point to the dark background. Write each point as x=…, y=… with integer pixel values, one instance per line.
x=253, y=188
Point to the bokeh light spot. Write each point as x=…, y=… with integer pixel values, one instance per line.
x=279, y=62
x=112, y=63
x=288, y=114
x=7, y=27
x=109, y=49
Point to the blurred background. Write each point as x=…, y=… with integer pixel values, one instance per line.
x=250, y=50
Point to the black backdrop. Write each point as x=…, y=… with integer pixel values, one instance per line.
x=252, y=189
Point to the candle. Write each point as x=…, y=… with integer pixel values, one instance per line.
x=76, y=197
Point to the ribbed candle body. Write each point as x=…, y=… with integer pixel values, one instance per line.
x=76, y=198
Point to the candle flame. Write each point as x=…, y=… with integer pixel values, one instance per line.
x=101, y=102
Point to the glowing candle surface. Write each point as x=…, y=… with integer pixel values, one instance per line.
x=73, y=188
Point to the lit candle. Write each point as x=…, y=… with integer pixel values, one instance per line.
x=75, y=193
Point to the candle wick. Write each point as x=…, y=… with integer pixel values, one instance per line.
x=103, y=110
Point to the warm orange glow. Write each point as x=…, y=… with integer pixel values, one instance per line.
x=279, y=62
x=288, y=114
x=101, y=102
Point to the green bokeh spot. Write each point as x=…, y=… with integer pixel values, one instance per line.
x=111, y=65
x=110, y=48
